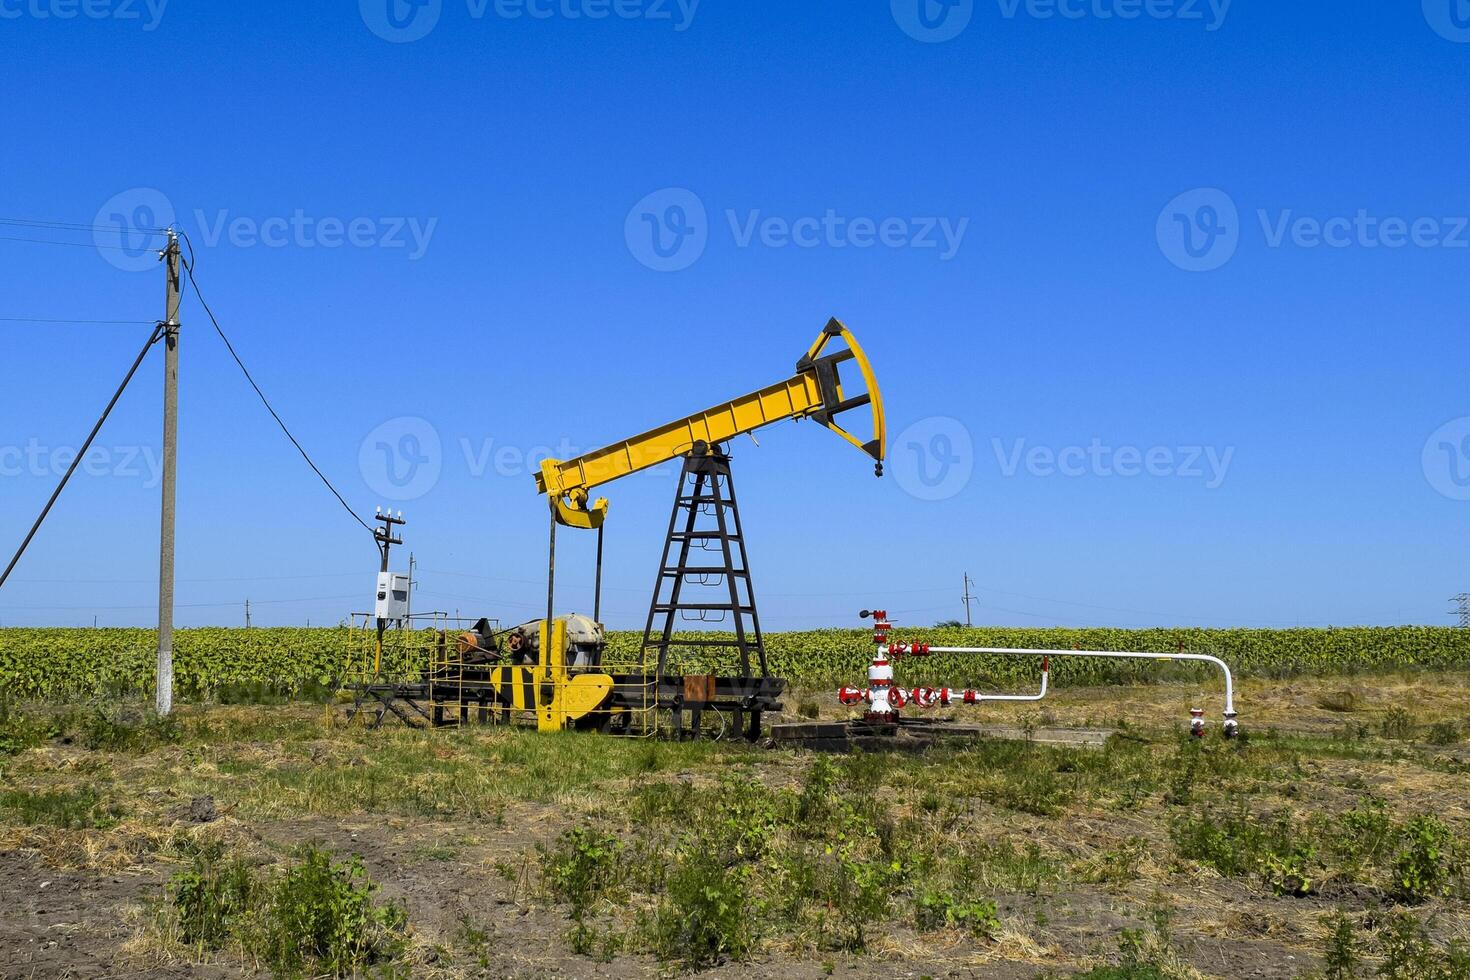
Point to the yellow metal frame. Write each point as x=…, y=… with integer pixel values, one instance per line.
x=567, y=482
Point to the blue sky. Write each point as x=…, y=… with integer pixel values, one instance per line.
x=1167, y=303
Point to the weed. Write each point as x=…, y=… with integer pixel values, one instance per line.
x=1426, y=865
x=1409, y=954
x=582, y=868
x=19, y=732
x=1444, y=733
x=1341, y=959
x=1239, y=844
x=212, y=898
x=1397, y=722
x=323, y=915
x=1359, y=837
x=939, y=909
x=69, y=809
x=703, y=918
x=110, y=732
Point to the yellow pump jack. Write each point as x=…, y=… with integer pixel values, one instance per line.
x=564, y=696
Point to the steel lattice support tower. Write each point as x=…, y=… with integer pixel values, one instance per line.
x=705, y=548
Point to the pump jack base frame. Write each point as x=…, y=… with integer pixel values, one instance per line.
x=680, y=702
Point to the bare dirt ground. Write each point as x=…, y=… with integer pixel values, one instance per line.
x=1077, y=855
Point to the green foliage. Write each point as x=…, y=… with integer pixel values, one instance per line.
x=704, y=916
x=322, y=915
x=581, y=868
x=213, y=898
x=259, y=664
x=19, y=732
x=1445, y=733
x=1239, y=844
x=1341, y=959
x=1409, y=953
x=70, y=809
x=935, y=909
x=1397, y=722
x=1426, y=865
x=109, y=731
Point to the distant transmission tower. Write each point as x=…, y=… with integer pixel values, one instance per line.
x=1462, y=601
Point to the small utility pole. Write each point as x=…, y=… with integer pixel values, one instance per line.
x=164, y=701
x=386, y=539
x=967, y=597
x=247, y=613
x=408, y=610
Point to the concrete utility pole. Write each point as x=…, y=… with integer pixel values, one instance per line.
x=967, y=597
x=165, y=697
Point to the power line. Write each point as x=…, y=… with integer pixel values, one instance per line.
x=152, y=339
x=185, y=605
x=79, y=226
x=39, y=319
x=189, y=267
x=48, y=241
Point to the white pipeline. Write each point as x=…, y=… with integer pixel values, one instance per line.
x=1110, y=654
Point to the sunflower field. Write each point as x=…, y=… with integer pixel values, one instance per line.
x=66, y=663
